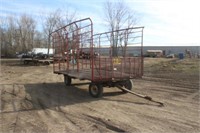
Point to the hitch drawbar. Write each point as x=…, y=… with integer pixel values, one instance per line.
x=140, y=95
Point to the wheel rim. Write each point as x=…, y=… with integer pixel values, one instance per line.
x=94, y=90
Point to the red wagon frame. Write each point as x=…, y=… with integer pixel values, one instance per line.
x=106, y=59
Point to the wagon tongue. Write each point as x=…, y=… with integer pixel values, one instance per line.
x=140, y=95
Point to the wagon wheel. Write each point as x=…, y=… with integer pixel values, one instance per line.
x=128, y=84
x=25, y=62
x=67, y=80
x=95, y=90
x=46, y=63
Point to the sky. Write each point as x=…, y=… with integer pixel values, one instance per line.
x=166, y=22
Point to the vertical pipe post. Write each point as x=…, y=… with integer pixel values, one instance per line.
x=142, y=58
x=99, y=60
x=129, y=67
x=53, y=40
x=66, y=51
x=134, y=68
x=59, y=50
x=106, y=68
x=91, y=52
x=122, y=69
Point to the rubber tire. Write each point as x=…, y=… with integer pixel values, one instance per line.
x=99, y=89
x=46, y=63
x=128, y=84
x=26, y=62
x=67, y=80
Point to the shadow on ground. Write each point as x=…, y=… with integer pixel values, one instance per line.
x=50, y=95
x=42, y=96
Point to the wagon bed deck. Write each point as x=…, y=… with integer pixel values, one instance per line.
x=86, y=74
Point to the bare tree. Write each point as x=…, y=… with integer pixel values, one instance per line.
x=56, y=20
x=2, y=37
x=39, y=40
x=26, y=30
x=118, y=15
x=11, y=34
x=19, y=34
x=8, y=27
x=67, y=17
x=50, y=24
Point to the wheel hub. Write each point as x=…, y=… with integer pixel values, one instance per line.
x=94, y=90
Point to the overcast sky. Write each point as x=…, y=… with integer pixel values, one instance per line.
x=166, y=22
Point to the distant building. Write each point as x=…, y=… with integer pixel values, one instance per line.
x=154, y=53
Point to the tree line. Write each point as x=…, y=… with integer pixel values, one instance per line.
x=21, y=33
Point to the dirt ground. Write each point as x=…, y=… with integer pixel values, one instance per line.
x=33, y=99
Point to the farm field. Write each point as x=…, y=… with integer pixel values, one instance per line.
x=33, y=99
